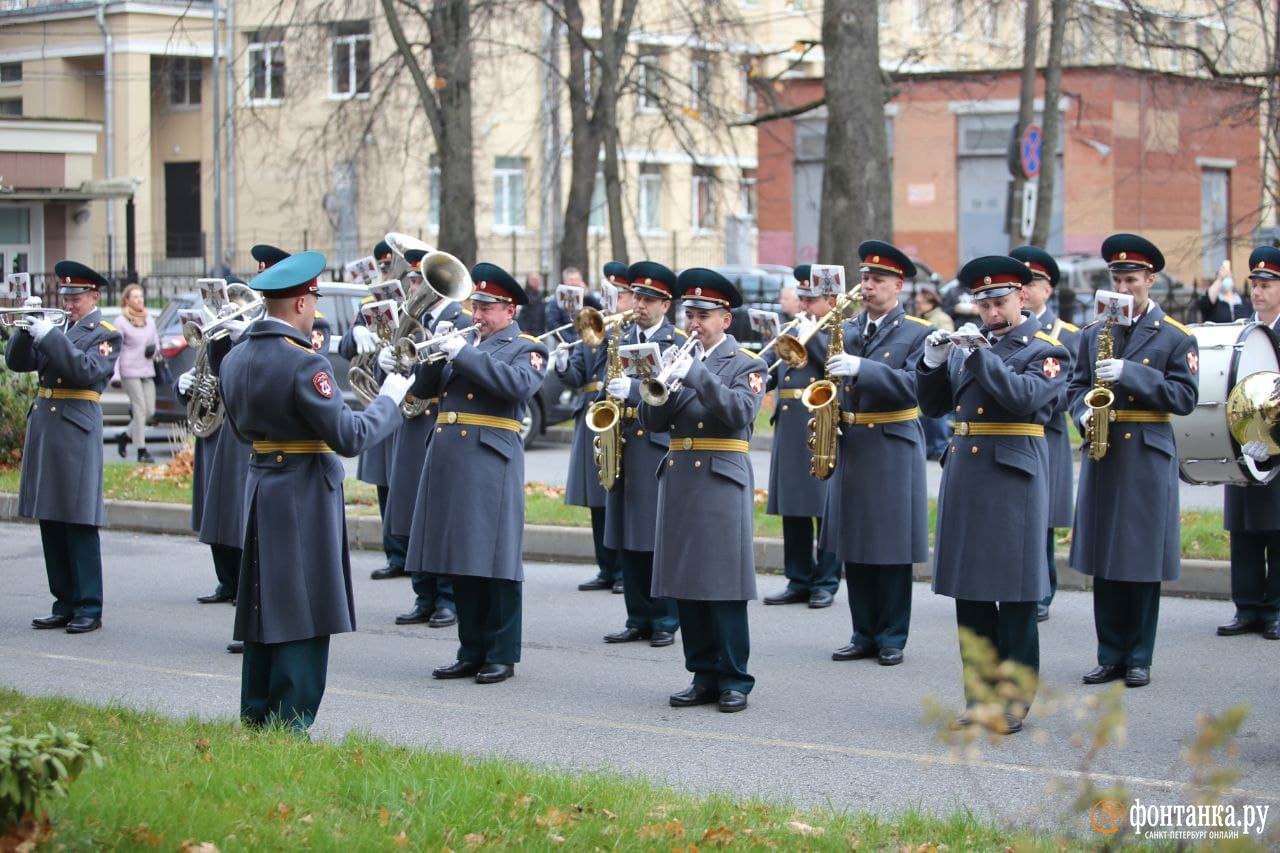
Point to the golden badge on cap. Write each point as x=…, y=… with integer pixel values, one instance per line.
x=875, y=259
x=697, y=291
x=986, y=279
x=1124, y=256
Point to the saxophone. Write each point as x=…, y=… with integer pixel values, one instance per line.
x=604, y=417
x=1100, y=398
x=822, y=396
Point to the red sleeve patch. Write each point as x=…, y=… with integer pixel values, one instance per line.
x=1193, y=362
x=104, y=349
x=535, y=358
x=323, y=384
x=1052, y=367
x=756, y=381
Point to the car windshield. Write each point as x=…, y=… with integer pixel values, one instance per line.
x=168, y=322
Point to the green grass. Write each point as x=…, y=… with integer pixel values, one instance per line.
x=165, y=783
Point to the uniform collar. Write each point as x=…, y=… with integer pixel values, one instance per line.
x=91, y=320
x=275, y=327
x=507, y=335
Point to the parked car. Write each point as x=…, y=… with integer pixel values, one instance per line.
x=339, y=303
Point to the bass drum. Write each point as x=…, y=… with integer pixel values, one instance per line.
x=1207, y=454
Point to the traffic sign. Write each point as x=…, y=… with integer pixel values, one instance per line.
x=1029, y=148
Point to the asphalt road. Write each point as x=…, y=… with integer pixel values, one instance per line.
x=844, y=735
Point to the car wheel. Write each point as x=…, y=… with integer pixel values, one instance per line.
x=531, y=425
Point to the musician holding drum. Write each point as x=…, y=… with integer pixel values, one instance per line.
x=1252, y=512
x=61, y=480
x=703, y=551
x=1127, y=530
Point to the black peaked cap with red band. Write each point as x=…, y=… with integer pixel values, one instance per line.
x=649, y=278
x=74, y=277
x=703, y=288
x=267, y=254
x=1038, y=261
x=616, y=272
x=494, y=284
x=1264, y=262
x=992, y=276
x=1130, y=253
x=882, y=257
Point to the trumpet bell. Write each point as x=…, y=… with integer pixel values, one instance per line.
x=1253, y=410
x=447, y=276
x=590, y=326
x=193, y=334
x=654, y=392
x=791, y=350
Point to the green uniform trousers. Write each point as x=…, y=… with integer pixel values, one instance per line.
x=283, y=683
x=717, y=643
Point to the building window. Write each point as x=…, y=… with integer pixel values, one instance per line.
x=649, y=206
x=266, y=68
x=704, y=210
x=182, y=76
x=991, y=21
x=599, y=205
x=433, y=191
x=10, y=72
x=1177, y=38
x=747, y=195
x=508, y=193
x=748, y=92
x=10, y=106
x=883, y=12
x=920, y=15
x=349, y=59
x=700, y=82
x=649, y=82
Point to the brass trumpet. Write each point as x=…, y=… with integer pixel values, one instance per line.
x=20, y=318
x=656, y=390
x=409, y=354
x=589, y=324
x=793, y=350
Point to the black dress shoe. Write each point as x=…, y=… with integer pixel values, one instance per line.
x=442, y=617
x=890, y=657
x=145, y=457
x=1042, y=613
x=732, y=701
x=54, y=621
x=853, y=651
x=627, y=635
x=820, y=598
x=595, y=584
x=694, y=694
x=122, y=441
x=457, y=669
x=217, y=597
x=387, y=572
x=83, y=625
x=1239, y=625
x=1103, y=674
x=1271, y=631
x=235, y=647
x=1137, y=676
x=416, y=616
x=618, y=587
x=662, y=638
x=788, y=596
x=492, y=673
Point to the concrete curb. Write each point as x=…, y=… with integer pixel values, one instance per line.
x=553, y=543
x=561, y=434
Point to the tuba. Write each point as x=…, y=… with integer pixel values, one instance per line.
x=604, y=417
x=1101, y=398
x=822, y=396
x=204, y=403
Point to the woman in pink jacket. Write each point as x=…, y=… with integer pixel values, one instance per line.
x=136, y=370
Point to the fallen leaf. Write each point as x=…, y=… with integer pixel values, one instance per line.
x=359, y=758
x=608, y=814
x=719, y=836
x=555, y=839
x=306, y=818
x=473, y=838
x=400, y=840
x=672, y=828
x=193, y=846
x=804, y=828
x=383, y=817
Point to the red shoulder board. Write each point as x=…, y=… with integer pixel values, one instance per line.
x=323, y=384
x=757, y=382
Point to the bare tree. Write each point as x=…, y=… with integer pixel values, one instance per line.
x=856, y=193
x=1052, y=126
x=1026, y=112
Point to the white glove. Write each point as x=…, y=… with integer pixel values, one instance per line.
x=804, y=325
x=1109, y=369
x=453, y=346
x=40, y=326
x=1085, y=419
x=235, y=328
x=843, y=364
x=32, y=302
x=227, y=310
x=1256, y=450
x=561, y=357
x=968, y=329
x=937, y=348
x=364, y=339
x=680, y=369
x=185, y=381
x=619, y=388
x=395, y=386
x=387, y=360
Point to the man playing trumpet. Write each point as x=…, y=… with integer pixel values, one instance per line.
x=703, y=554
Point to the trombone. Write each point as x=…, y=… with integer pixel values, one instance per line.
x=20, y=318
x=656, y=390
x=409, y=354
x=248, y=302
x=793, y=350
x=590, y=325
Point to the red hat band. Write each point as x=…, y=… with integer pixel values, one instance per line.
x=654, y=284
x=987, y=282
x=1131, y=258
x=706, y=294
x=881, y=263
x=1038, y=269
x=494, y=290
x=1263, y=266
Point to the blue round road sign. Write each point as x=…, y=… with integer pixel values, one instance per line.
x=1029, y=150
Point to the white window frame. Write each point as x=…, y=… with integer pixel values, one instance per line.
x=748, y=94
x=178, y=67
x=700, y=89
x=601, y=210
x=350, y=43
x=702, y=181
x=649, y=63
x=268, y=50
x=433, y=192
x=508, y=190
x=649, y=217
x=748, y=198
x=920, y=16
x=883, y=13
x=991, y=20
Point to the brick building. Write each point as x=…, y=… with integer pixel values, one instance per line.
x=1173, y=157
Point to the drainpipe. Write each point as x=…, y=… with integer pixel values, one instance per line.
x=109, y=148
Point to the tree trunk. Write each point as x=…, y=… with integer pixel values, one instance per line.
x=1052, y=127
x=1026, y=115
x=449, y=23
x=856, y=189
x=585, y=145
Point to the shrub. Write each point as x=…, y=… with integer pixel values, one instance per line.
x=32, y=765
x=17, y=391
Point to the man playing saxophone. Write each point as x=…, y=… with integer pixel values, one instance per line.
x=880, y=465
x=631, y=508
x=703, y=554
x=1127, y=530
x=793, y=493
x=993, y=503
